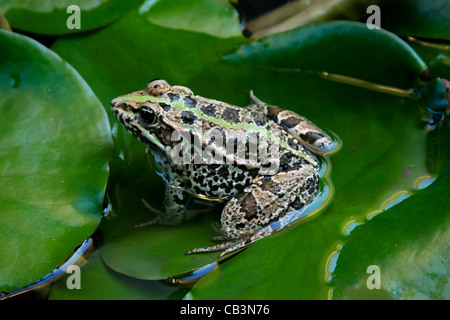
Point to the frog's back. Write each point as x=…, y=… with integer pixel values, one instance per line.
x=226, y=115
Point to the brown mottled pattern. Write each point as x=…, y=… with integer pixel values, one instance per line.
x=240, y=138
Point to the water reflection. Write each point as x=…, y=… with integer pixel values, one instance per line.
x=76, y=259
x=423, y=182
x=191, y=278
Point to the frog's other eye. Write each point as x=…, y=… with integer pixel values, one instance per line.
x=157, y=87
x=147, y=116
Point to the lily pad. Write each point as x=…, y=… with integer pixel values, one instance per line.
x=418, y=18
x=384, y=153
x=413, y=258
x=113, y=286
x=386, y=150
x=144, y=252
x=383, y=59
x=52, y=17
x=56, y=145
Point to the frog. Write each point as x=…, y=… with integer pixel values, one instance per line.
x=261, y=161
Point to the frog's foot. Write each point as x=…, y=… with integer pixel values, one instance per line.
x=172, y=220
x=233, y=244
x=221, y=239
x=218, y=247
x=157, y=220
x=151, y=208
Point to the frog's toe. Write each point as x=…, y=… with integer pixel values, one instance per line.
x=157, y=220
x=236, y=246
x=231, y=245
x=150, y=207
x=217, y=247
x=221, y=239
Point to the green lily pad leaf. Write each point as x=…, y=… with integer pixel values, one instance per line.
x=384, y=155
x=300, y=13
x=214, y=17
x=134, y=58
x=3, y=22
x=114, y=286
x=436, y=56
x=418, y=18
x=385, y=151
x=413, y=260
x=441, y=66
x=53, y=17
x=343, y=48
x=53, y=163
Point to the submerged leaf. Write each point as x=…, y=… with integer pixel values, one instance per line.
x=341, y=47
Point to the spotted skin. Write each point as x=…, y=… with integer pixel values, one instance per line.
x=260, y=160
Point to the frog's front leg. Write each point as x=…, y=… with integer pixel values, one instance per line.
x=248, y=216
x=174, y=207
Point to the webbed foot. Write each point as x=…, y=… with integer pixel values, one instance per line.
x=232, y=245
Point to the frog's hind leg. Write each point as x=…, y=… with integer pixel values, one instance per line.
x=248, y=241
x=218, y=247
x=248, y=217
x=233, y=244
x=306, y=131
x=303, y=129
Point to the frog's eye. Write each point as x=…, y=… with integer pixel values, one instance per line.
x=147, y=116
x=157, y=87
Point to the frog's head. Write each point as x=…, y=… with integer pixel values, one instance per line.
x=151, y=115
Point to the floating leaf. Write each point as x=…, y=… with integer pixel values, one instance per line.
x=51, y=17
x=341, y=47
x=385, y=152
x=213, y=17
x=413, y=256
x=113, y=286
x=53, y=163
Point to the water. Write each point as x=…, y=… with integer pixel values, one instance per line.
x=15, y=80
